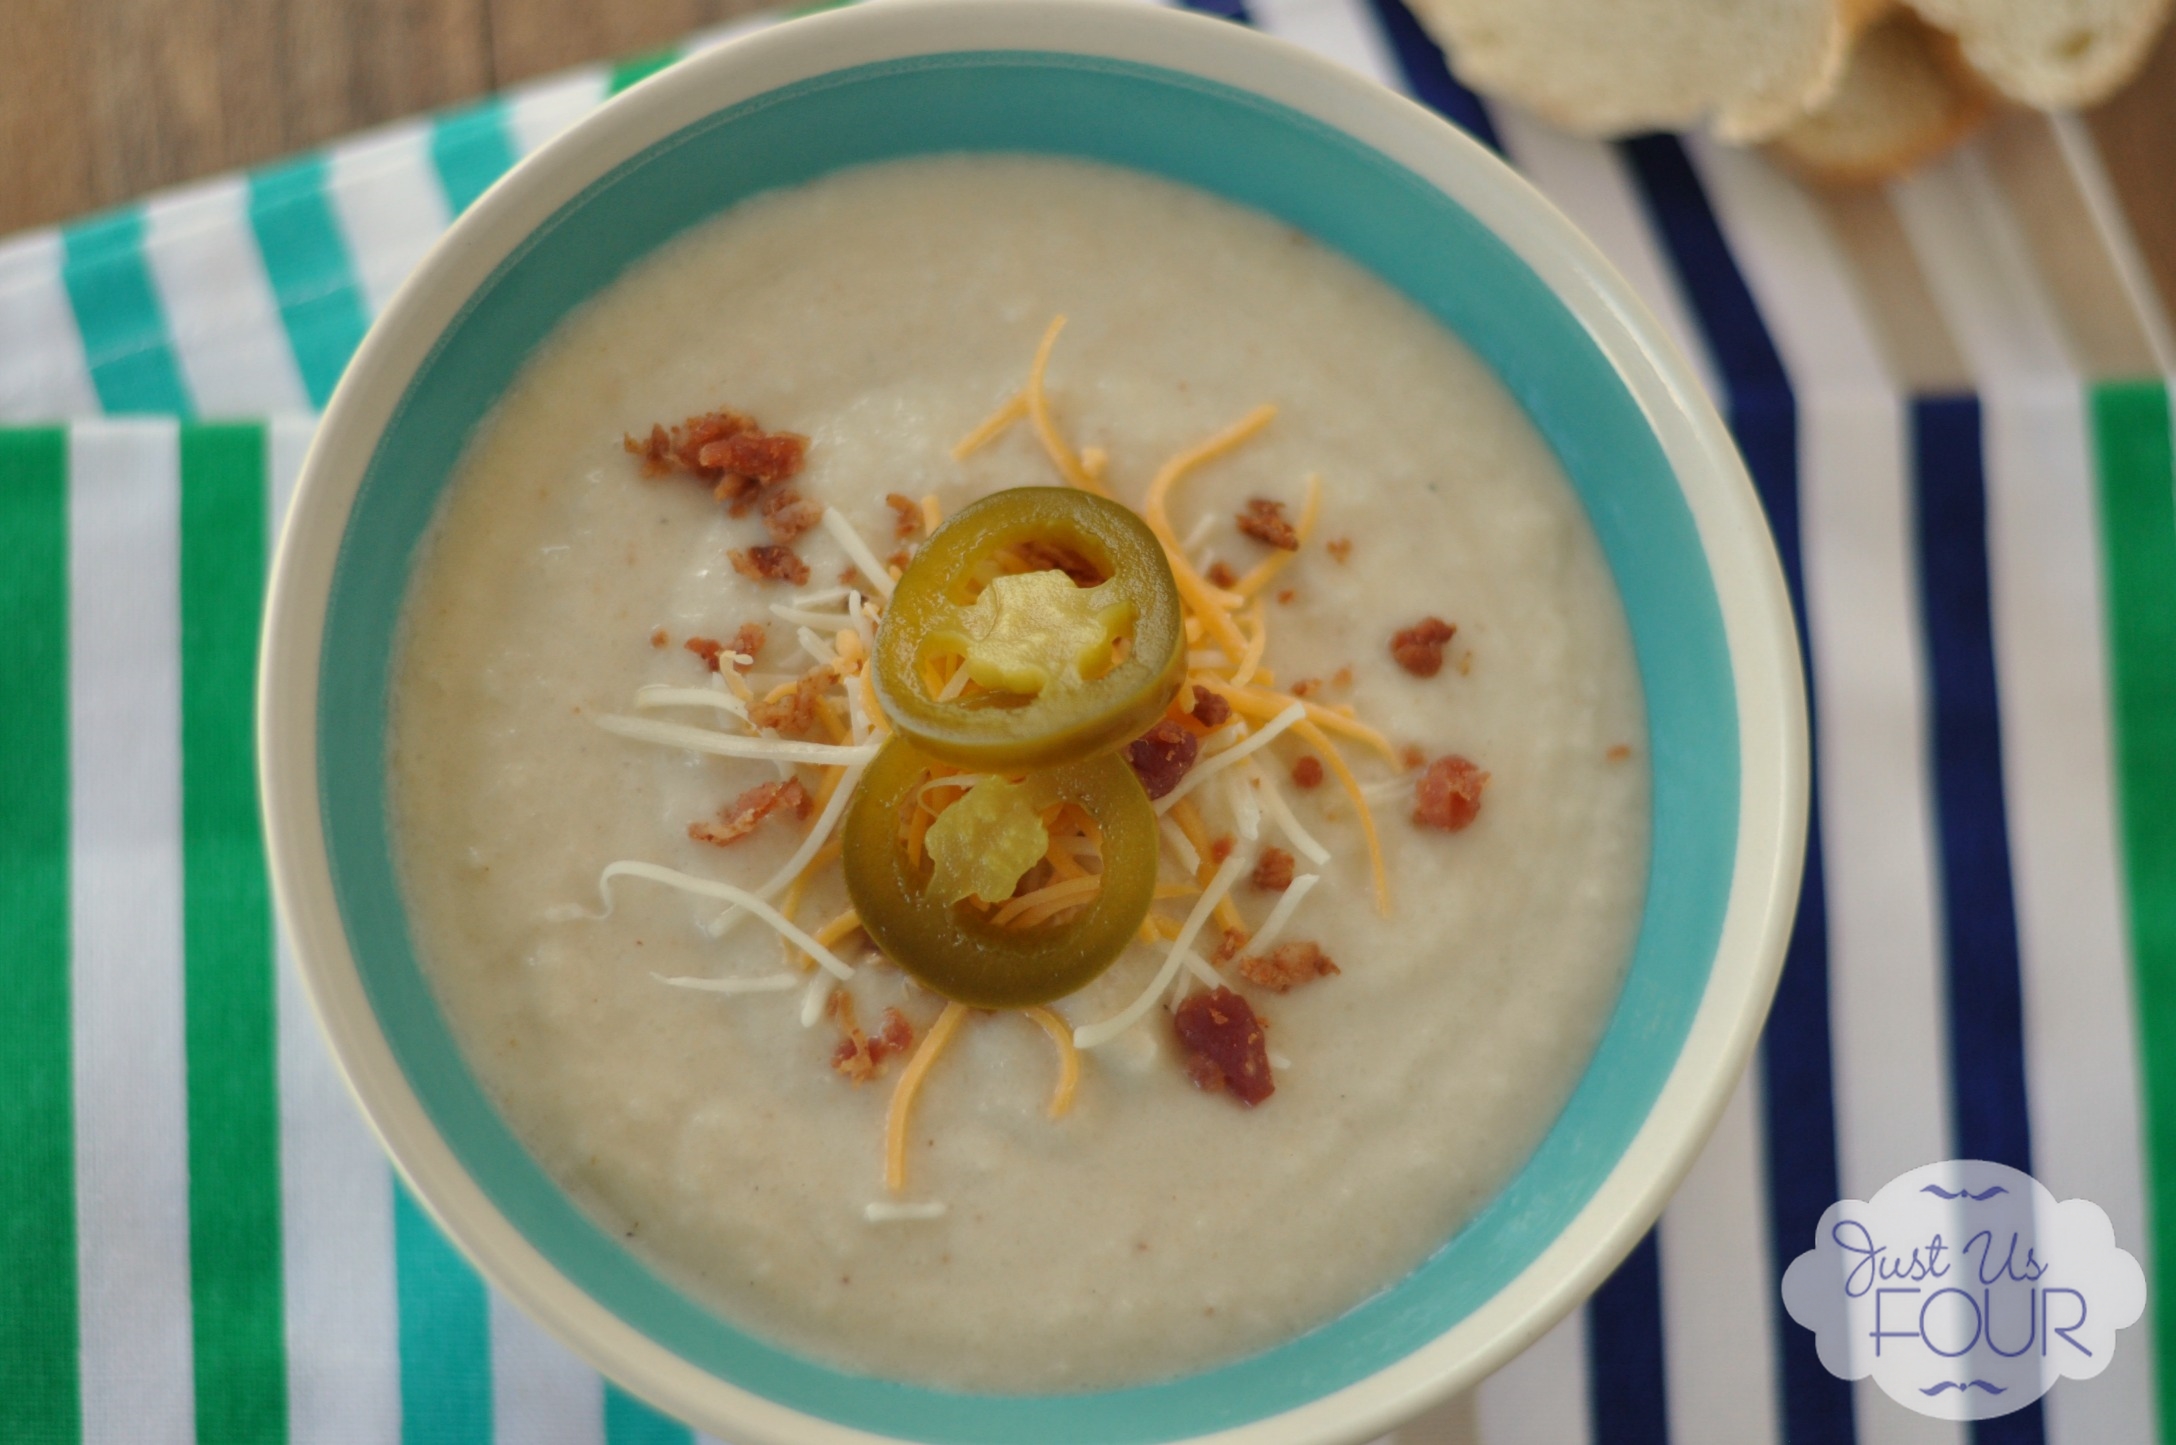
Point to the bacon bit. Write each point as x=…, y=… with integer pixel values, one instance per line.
x=1619, y=753
x=1419, y=648
x=1210, y=709
x=1227, y=947
x=787, y=514
x=1220, y=575
x=1307, y=687
x=659, y=639
x=907, y=523
x=1287, y=966
x=849, y=575
x=899, y=559
x=707, y=648
x=795, y=712
x=1284, y=597
x=1220, y=847
x=1162, y=756
x=1273, y=871
x=748, y=642
x=765, y=458
x=860, y=1055
x=1307, y=771
x=681, y=449
x=1225, y=1046
x=1342, y=677
x=1448, y=795
x=1041, y=555
x=1263, y=520
x=1413, y=757
x=742, y=816
x=766, y=563
x=1339, y=548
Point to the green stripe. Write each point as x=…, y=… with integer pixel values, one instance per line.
x=445, y=1335
x=638, y=68
x=312, y=275
x=125, y=338
x=234, y=1181
x=2138, y=520
x=471, y=149
x=38, y=1400
x=627, y=1421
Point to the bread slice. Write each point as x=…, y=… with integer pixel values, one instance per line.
x=1610, y=67
x=1906, y=96
x=2053, y=54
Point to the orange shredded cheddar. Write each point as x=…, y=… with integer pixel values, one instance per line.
x=1046, y=429
x=910, y=1083
x=1212, y=604
x=1189, y=819
x=1049, y=899
x=932, y=513
x=989, y=431
x=1306, y=728
x=1251, y=662
x=1061, y=1101
x=1263, y=703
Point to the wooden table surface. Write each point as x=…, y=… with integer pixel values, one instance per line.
x=102, y=100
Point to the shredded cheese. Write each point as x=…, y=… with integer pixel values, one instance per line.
x=1351, y=785
x=1049, y=899
x=1250, y=661
x=910, y=1083
x=815, y=996
x=1061, y=1101
x=1280, y=813
x=1262, y=737
x=1095, y=1035
x=763, y=983
x=1246, y=808
x=1259, y=703
x=1046, y=429
x=886, y=1213
x=1182, y=848
x=932, y=513
x=1265, y=937
x=732, y=745
x=1015, y=407
x=659, y=695
x=711, y=888
x=858, y=552
x=819, y=834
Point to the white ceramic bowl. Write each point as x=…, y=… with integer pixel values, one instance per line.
x=1261, y=122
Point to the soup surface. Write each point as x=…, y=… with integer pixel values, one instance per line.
x=1154, y=1228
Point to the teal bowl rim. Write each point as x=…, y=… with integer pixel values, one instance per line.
x=1228, y=139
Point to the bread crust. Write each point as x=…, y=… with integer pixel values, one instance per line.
x=1907, y=95
x=2051, y=54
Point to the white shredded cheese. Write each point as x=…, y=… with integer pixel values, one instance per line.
x=1280, y=813
x=822, y=597
x=817, y=647
x=660, y=695
x=711, y=888
x=1387, y=788
x=763, y=983
x=1199, y=533
x=818, y=834
x=1279, y=1062
x=1210, y=767
x=1216, y=740
x=857, y=721
x=885, y=1212
x=815, y=997
x=1176, y=840
x=1246, y=805
x=1110, y=1028
x=957, y=780
x=865, y=560
x=1266, y=936
x=734, y=745
x=955, y=684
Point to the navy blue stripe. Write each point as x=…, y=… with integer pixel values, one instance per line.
x=1627, y=1402
x=1979, y=908
x=1428, y=74
x=1797, y=1066
x=1229, y=9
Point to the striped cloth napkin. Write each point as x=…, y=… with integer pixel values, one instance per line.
x=200, y=1240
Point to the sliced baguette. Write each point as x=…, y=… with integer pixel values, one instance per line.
x=1610, y=67
x=2052, y=54
x=1906, y=96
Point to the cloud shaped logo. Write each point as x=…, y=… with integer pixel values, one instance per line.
x=1965, y=1289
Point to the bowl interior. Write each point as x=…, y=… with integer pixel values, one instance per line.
x=1249, y=150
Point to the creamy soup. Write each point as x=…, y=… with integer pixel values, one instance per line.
x=1156, y=1227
